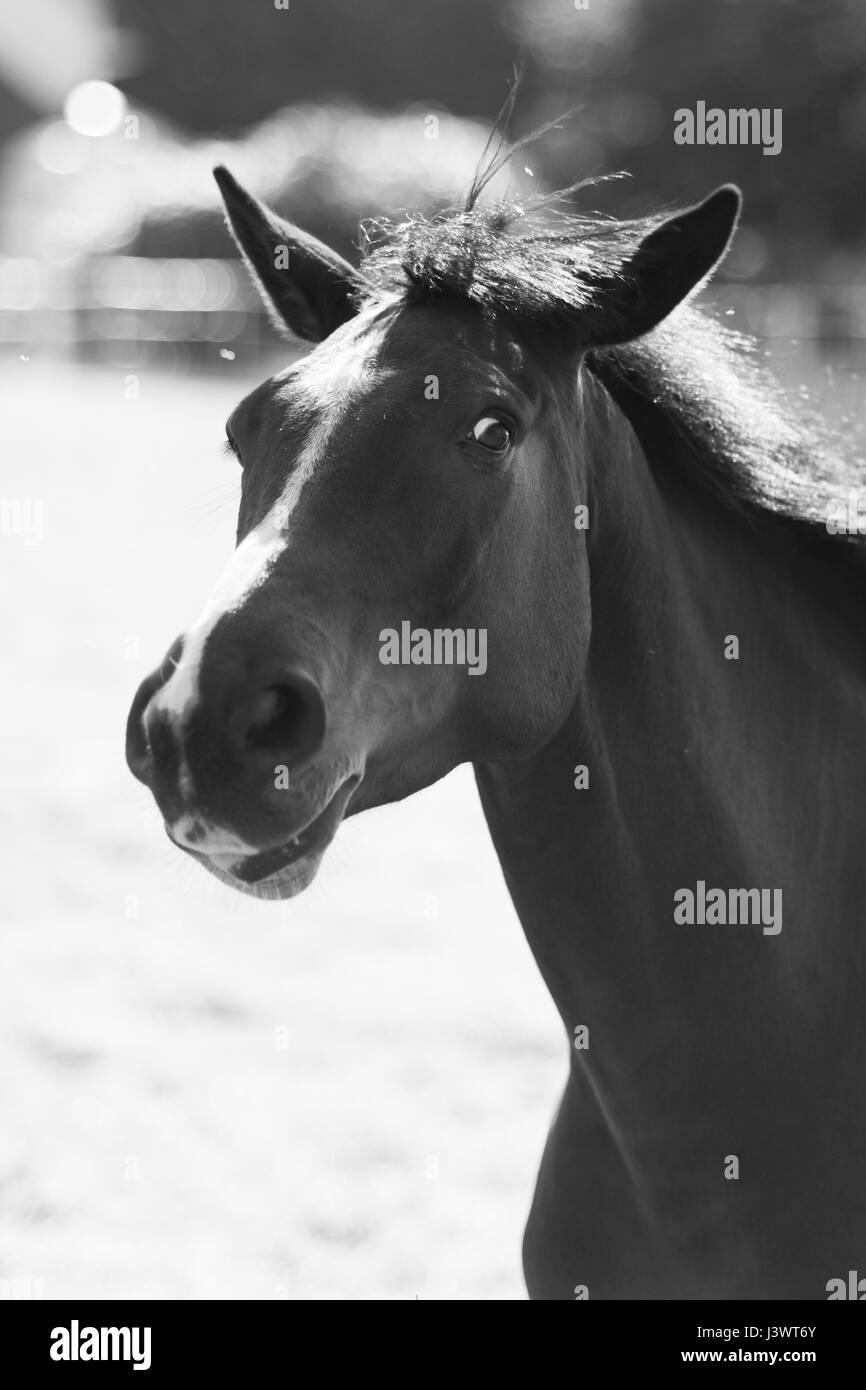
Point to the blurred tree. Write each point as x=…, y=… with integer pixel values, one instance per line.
x=224, y=64
x=632, y=65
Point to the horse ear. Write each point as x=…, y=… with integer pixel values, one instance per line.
x=305, y=285
x=669, y=265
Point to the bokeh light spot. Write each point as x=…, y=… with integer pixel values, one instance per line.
x=94, y=108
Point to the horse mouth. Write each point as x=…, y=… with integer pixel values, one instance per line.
x=286, y=871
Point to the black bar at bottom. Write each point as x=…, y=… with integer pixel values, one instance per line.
x=222, y=1339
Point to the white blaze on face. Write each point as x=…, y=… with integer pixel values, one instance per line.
x=257, y=553
x=244, y=572
x=330, y=373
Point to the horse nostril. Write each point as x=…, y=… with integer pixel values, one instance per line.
x=273, y=716
x=285, y=721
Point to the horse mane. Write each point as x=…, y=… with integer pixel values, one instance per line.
x=750, y=446
x=747, y=442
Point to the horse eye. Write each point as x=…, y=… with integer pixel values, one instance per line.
x=491, y=433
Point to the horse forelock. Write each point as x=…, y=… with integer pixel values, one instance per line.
x=506, y=259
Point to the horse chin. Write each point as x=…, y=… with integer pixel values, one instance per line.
x=287, y=882
x=285, y=872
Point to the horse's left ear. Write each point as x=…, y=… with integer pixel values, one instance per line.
x=669, y=265
x=305, y=286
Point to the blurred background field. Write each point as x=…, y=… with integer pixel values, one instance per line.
x=347, y=1096
x=202, y=1095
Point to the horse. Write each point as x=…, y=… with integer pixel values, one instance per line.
x=513, y=421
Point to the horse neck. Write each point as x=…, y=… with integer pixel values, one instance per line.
x=691, y=757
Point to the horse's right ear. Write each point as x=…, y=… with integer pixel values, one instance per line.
x=668, y=266
x=306, y=287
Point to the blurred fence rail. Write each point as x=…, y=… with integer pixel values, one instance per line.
x=129, y=310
